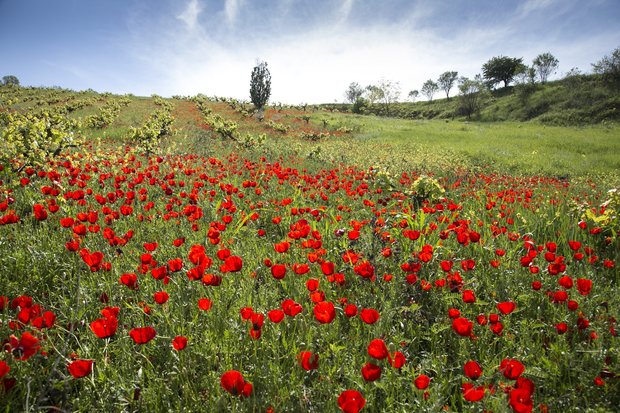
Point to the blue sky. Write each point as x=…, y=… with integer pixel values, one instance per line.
x=314, y=48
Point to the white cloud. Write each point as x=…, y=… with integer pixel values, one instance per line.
x=231, y=9
x=315, y=65
x=190, y=14
x=530, y=6
x=345, y=10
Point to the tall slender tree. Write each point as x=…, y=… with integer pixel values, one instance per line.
x=545, y=64
x=446, y=81
x=260, y=88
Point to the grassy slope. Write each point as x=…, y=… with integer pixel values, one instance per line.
x=578, y=100
x=522, y=148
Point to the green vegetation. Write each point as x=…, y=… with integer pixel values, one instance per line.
x=188, y=257
x=575, y=100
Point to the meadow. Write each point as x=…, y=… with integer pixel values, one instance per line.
x=179, y=255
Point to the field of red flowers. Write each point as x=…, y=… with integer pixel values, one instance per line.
x=185, y=282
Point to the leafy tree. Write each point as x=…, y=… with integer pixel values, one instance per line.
x=501, y=69
x=354, y=92
x=609, y=67
x=429, y=88
x=413, y=95
x=390, y=92
x=10, y=80
x=446, y=81
x=373, y=94
x=545, y=64
x=260, y=87
x=472, y=94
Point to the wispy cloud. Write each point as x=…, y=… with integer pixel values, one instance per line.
x=313, y=59
x=231, y=9
x=190, y=14
x=530, y=6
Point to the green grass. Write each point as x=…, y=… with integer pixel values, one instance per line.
x=513, y=147
x=322, y=198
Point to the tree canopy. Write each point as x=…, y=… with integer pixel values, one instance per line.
x=446, y=81
x=429, y=88
x=260, y=86
x=10, y=80
x=502, y=69
x=354, y=92
x=545, y=64
x=609, y=66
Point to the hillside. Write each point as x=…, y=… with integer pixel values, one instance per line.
x=575, y=100
x=180, y=255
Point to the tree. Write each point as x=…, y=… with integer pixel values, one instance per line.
x=390, y=92
x=373, y=94
x=545, y=64
x=10, y=80
x=501, y=69
x=354, y=92
x=446, y=81
x=260, y=87
x=609, y=67
x=429, y=88
x=472, y=94
x=413, y=95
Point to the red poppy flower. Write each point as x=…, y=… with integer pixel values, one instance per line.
x=351, y=401
x=278, y=271
x=584, y=286
x=369, y=315
x=506, y=307
x=39, y=212
x=142, y=335
x=350, y=310
x=80, y=368
x=233, y=382
x=324, y=312
x=130, y=280
x=446, y=265
x=301, y=269
x=161, y=297
x=371, y=372
x=377, y=349
x=561, y=328
x=472, y=393
x=179, y=343
x=468, y=296
x=275, y=315
x=327, y=268
x=24, y=347
x=312, y=284
x=472, y=370
x=365, y=270
x=205, y=304
x=511, y=368
x=291, y=308
x=232, y=264
x=94, y=260
x=308, y=360
x=4, y=368
x=422, y=381
x=150, y=246
x=521, y=400
x=282, y=247
x=397, y=360
x=462, y=326
x=453, y=313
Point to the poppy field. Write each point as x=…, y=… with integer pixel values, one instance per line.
x=200, y=270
